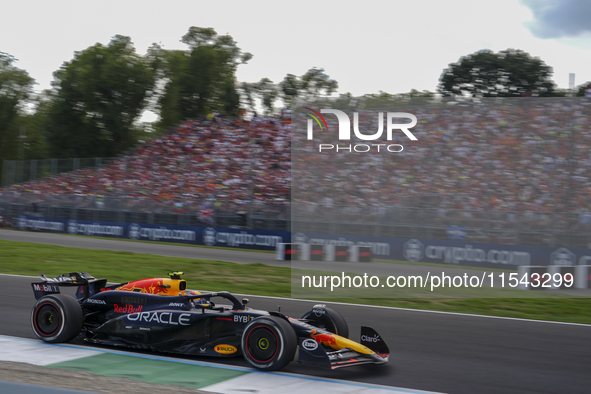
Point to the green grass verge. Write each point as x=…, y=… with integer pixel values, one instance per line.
x=32, y=259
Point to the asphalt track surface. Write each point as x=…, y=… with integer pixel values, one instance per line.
x=439, y=352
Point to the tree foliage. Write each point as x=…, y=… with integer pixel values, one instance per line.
x=249, y=94
x=15, y=89
x=265, y=90
x=96, y=99
x=581, y=89
x=35, y=143
x=199, y=80
x=269, y=93
x=507, y=73
x=314, y=83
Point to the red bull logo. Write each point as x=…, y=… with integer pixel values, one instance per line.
x=127, y=308
x=337, y=342
x=324, y=339
x=145, y=286
x=161, y=286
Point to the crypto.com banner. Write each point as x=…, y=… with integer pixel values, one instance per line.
x=209, y=236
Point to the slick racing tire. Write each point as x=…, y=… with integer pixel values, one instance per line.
x=57, y=318
x=328, y=319
x=269, y=343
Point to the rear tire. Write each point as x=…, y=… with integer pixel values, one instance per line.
x=57, y=318
x=327, y=319
x=269, y=343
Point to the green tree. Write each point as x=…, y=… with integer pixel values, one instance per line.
x=170, y=68
x=509, y=73
x=313, y=84
x=15, y=89
x=97, y=97
x=249, y=93
x=199, y=80
x=290, y=88
x=35, y=143
x=265, y=90
x=268, y=92
x=582, y=88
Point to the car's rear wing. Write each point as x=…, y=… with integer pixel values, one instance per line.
x=86, y=283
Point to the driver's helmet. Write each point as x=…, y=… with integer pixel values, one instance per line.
x=197, y=301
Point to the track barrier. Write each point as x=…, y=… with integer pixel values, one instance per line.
x=287, y=251
x=336, y=253
x=318, y=252
x=361, y=254
x=311, y=252
x=583, y=277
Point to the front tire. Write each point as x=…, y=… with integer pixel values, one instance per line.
x=268, y=343
x=57, y=318
x=327, y=319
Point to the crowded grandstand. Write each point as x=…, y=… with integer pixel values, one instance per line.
x=497, y=165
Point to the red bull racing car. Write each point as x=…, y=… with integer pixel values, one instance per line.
x=161, y=314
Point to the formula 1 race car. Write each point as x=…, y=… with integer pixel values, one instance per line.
x=161, y=314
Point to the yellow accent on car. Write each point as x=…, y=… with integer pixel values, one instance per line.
x=225, y=349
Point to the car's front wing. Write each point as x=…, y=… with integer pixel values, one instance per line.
x=331, y=351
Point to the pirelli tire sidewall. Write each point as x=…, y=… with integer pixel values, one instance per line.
x=274, y=332
x=57, y=318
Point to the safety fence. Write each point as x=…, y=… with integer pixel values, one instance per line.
x=252, y=215
x=552, y=229
x=21, y=171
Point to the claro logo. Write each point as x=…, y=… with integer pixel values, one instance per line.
x=367, y=338
x=345, y=130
